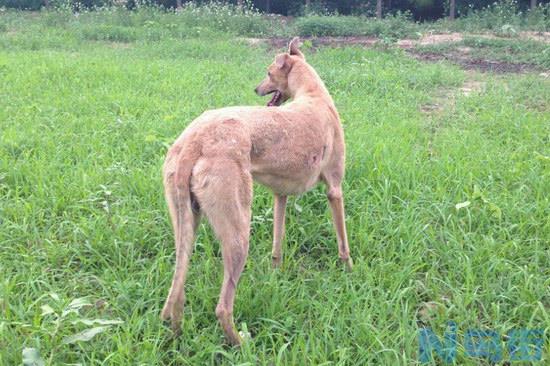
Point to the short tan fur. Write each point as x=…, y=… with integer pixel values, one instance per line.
x=210, y=168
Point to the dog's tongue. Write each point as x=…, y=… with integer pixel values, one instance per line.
x=274, y=99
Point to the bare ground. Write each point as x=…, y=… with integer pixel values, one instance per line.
x=468, y=63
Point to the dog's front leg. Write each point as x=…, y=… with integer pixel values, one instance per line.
x=279, y=208
x=336, y=200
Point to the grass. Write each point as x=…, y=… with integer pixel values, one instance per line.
x=391, y=27
x=514, y=51
x=85, y=122
x=509, y=50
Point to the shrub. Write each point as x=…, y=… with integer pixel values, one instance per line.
x=228, y=18
x=538, y=19
x=504, y=18
x=392, y=26
x=22, y=4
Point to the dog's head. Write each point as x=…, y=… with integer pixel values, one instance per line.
x=276, y=81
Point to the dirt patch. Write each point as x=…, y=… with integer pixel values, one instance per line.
x=536, y=36
x=435, y=39
x=472, y=87
x=430, y=39
x=464, y=60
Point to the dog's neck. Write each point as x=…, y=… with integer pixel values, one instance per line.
x=303, y=81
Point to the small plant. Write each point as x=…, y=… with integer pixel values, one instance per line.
x=57, y=318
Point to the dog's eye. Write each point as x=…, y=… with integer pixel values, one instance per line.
x=269, y=74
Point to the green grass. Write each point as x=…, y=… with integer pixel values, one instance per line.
x=392, y=26
x=85, y=123
x=513, y=51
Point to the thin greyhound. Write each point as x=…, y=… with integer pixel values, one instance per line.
x=210, y=168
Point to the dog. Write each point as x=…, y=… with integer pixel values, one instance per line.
x=210, y=168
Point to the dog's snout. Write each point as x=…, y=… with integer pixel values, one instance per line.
x=259, y=90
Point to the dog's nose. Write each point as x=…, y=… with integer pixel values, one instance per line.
x=256, y=90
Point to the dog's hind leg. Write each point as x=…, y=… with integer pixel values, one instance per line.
x=184, y=222
x=224, y=192
x=279, y=207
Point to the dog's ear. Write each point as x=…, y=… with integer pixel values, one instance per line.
x=293, y=48
x=282, y=60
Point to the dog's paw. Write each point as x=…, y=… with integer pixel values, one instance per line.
x=166, y=313
x=276, y=262
x=348, y=263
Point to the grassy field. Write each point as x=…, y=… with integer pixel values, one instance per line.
x=512, y=52
x=447, y=194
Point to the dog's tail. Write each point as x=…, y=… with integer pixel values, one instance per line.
x=177, y=186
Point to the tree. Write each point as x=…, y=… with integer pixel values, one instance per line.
x=379, y=9
x=452, y=9
x=533, y=4
x=178, y=4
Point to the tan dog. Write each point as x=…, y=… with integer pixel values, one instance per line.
x=210, y=169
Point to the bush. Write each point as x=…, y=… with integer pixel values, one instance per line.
x=22, y=4
x=538, y=19
x=228, y=18
x=392, y=26
x=504, y=18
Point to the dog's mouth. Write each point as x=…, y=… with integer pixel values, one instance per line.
x=276, y=99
